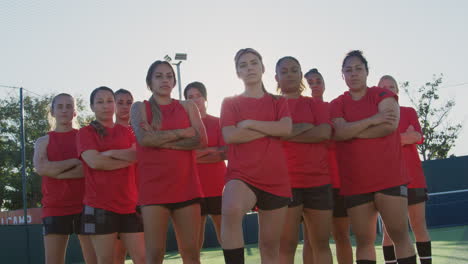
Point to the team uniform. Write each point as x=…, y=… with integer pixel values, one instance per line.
x=110, y=195
x=168, y=177
x=417, y=188
x=62, y=199
x=212, y=174
x=260, y=163
x=308, y=164
x=368, y=166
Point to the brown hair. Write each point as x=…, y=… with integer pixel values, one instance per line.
x=302, y=87
x=256, y=53
x=51, y=119
x=155, y=110
x=100, y=129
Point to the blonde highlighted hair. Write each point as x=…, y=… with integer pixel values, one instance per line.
x=51, y=119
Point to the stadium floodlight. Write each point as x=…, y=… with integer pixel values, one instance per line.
x=179, y=57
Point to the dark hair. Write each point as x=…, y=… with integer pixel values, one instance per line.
x=100, y=129
x=313, y=71
x=241, y=52
x=197, y=85
x=357, y=54
x=157, y=116
x=153, y=67
x=123, y=91
x=301, y=86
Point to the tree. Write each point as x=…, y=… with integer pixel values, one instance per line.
x=36, y=125
x=439, y=132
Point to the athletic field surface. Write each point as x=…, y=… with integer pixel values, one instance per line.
x=449, y=246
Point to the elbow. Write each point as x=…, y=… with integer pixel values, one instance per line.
x=41, y=171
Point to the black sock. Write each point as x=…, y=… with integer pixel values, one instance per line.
x=365, y=261
x=424, y=252
x=408, y=260
x=389, y=254
x=234, y=256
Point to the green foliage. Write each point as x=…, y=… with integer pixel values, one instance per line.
x=36, y=125
x=439, y=132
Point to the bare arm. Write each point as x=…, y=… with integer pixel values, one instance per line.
x=199, y=139
x=238, y=135
x=44, y=167
x=280, y=128
x=216, y=155
x=145, y=134
x=122, y=154
x=315, y=134
x=410, y=136
x=297, y=129
x=75, y=173
x=390, y=124
x=97, y=161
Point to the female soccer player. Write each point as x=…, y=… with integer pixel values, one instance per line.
x=210, y=161
x=108, y=152
x=410, y=134
x=168, y=131
x=56, y=160
x=340, y=222
x=307, y=158
x=369, y=159
x=252, y=125
x=123, y=103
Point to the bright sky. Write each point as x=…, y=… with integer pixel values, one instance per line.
x=75, y=46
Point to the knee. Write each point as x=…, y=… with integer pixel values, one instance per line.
x=364, y=240
x=341, y=237
x=190, y=255
x=231, y=211
x=155, y=255
x=288, y=245
x=269, y=247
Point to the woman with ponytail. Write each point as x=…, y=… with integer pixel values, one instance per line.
x=108, y=152
x=252, y=124
x=168, y=131
x=63, y=185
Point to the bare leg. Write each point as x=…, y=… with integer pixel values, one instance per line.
x=290, y=234
x=55, y=248
x=186, y=225
x=104, y=247
x=87, y=249
x=340, y=231
x=319, y=228
x=135, y=244
x=155, y=221
x=270, y=229
x=363, y=220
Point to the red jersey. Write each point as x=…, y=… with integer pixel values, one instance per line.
x=62, y=197
x=111, y=190
x=260, y=162
x=333, y=163
x=410, y=153
x=308, y=162
x=167, y=175
x=367, y=165
x=212, y=174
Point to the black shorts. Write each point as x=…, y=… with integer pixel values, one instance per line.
x=96, y=221
x=175, y=206
x=417, y=195
x=339, y=207
x=61, y=225
x=317, y=198
x=268, y=201
x=211, y=205
x=358, y=199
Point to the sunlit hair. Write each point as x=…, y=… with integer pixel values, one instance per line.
x=196, y=85
x=313, y=71
x=358, y=54
x=100, y=129
x=155, y=110
x=52, y=120
x=241, y=52
x=389, y=77
x=302, y=87
x=123, y=91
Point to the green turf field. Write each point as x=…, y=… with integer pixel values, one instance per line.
x=449, y=246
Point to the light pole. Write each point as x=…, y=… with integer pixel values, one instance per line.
x=179, y=57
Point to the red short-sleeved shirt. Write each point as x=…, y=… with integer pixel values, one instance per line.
x=112, y=190
x=212, y=174
x=62, y=197
x=308, y=162
x=410, y=153
x=367, y=165
x=260, y=162
x=333, y=163
x=167, y=175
